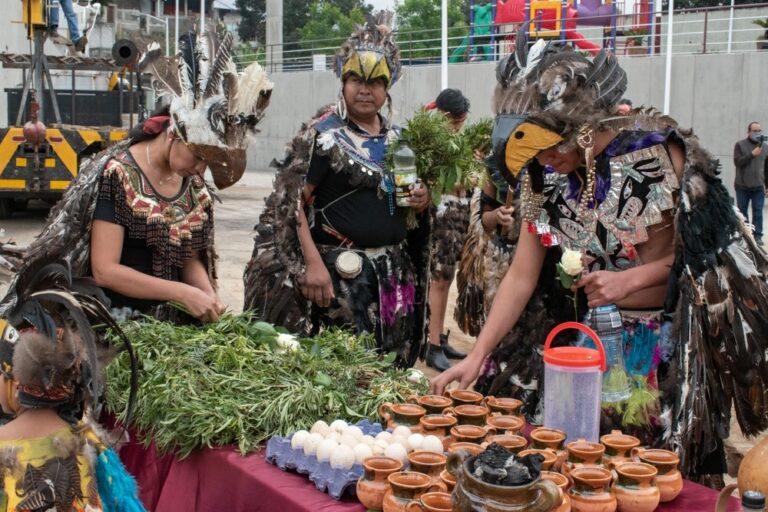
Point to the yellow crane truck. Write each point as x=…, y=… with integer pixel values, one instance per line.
x=51, y=131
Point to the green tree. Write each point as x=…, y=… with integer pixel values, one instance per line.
x=332, y=22
x=418, y=25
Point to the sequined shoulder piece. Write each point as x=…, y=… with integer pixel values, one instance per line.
x=174, y=228
x=643, y=185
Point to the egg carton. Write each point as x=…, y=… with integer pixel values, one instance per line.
x=334, y=481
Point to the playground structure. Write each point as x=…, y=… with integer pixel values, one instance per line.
x=549, y=19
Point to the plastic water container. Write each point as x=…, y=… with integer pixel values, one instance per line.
x=606, y=322
x=573, y=381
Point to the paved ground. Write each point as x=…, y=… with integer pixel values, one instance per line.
x=235, y=218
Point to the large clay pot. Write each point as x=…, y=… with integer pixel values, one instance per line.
x=753, y=475
x=433, y=404
x=562, y=483
x=512, y=443
x=618, y=447
x=470, y=414
x=464, y=397
x=550, y=457
x=585, y=452
x=373, y=484
x=474, y=495
x=472, y=448
x=505, y=406
x=553, y=439
x=431, y=502
x=635, y=488
x=394, y=415
x=404, y=487
x=468, y=434
x=430, y=464
x=591, y=491
x=669, y=479
x=438, y=425
x=506, y=424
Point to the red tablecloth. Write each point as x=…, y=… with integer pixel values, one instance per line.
x=220, y=479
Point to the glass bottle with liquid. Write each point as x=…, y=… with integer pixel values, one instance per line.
x=404, y=173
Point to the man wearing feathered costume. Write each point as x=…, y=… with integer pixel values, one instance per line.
x=641, y=204
x=332, y=246
x=139, y=216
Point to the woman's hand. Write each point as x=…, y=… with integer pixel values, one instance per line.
x=419, y=198
x=201, y=305
x=604, y=287
x=503, y=216
x=465, y=372
x=316, y=284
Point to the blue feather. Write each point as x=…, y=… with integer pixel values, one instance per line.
x=117, y=488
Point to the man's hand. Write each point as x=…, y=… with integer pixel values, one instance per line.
x=604, y=287
x=464, y=372
x=316, y=284
x=503, y=215
x=419, y=198
x=758, y=150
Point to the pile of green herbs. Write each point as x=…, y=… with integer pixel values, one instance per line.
x=445, y=160
x=231, y=382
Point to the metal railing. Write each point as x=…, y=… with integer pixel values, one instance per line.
x=700, y=30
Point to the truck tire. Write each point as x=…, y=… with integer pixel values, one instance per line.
x=6, y=207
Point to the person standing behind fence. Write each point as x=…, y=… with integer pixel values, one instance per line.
x=750, y=156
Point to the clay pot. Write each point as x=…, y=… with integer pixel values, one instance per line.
x=472, y=448
x=562, y=483
x=669, y=479
x=430, y=464
x=545, y=437
x=505, y=406
x=404, y=487
x=373, y=484
x=510, y=442
x=550, y=457
x=433, y=404
x=506, y=424
x=394, y=415
x=468, y=434
x=437, y=425
x=635, y=489
x=448, y=479
x=431, y=502
x=752, y=474
x=464, y=397
x=618, y=447
x=591, y=490
x=585, y=452
x=470, y=414
x=472, y=494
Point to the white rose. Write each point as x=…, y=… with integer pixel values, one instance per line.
x=415, y=376
x=287, y=343
x=571, y=262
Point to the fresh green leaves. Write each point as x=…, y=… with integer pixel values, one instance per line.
x=227, y=383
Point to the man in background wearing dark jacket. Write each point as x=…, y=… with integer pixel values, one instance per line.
x=750, y=156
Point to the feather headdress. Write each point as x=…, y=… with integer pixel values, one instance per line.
x=371, y=52
x=213, y=106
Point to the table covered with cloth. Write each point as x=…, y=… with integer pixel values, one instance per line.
x=216, y=479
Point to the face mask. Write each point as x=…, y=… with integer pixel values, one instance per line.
x=755, y=136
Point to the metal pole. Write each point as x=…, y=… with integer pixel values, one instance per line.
x=72, y=113
x=730, y=27
x=704, y=42
x=167, y=39
x=177, y=27
x=668, y=71
x=444, y=46
x=202, y=16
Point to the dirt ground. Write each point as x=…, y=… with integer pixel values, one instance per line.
x=235, y=218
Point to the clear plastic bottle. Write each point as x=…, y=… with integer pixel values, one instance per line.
x=606, y=322
x=752, y=501
x=404, y=172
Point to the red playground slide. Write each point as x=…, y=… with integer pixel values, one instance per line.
x=581, y=42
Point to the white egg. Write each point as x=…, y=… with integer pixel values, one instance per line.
x=384, y=435
x=401, y=431
x=348, y=440
x=382, y=443
x=311, y=443
x=297, y=439
x=403, y=440
x=397, y=451
x=333, y=435
x=432, y=444
x=354, y=431
x=325, y=448
x=339, y=426
x=377, y=450
x=369, y=440
x=414, y=441
x=342, y=457
x=320, y=427
x=362, y=452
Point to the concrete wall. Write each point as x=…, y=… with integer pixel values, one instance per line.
x=716, y=94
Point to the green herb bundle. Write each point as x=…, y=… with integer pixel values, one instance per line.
x=231, y=382
x=475, y=145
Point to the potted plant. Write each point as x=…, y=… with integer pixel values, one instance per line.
x=762, y=41
x=635, y=38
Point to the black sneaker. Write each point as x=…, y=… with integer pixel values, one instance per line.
x=448, y=350
x=436, y=358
